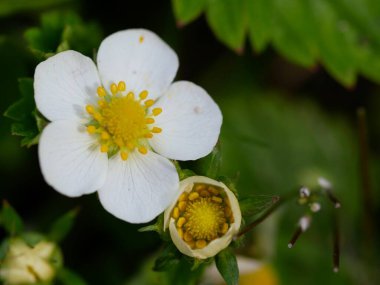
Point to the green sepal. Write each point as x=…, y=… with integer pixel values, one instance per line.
x=10, y=220
x=253, y=206
x=158, y=227
x=62, y=226
x=168, y=258
x=227, y=266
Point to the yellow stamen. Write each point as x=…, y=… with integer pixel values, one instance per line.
x=141, y=39
x=90, y=109
x=148, y=136
x=217, y=199
x=149, y=120
x=193, y=196
x=102, y=103
x=143, y=94
x=104, y=148
x=143, y=150
x=124, y=155
x=113, y=88
x=224, y=228
x=101, y=91
x=130, y=145
x=149, y=102
x=121, y=86
x=187, y=237
x=181, y=221
x=105, y=135
x=175, y=213
x=200, y=243
x=156, y=130
x=182, y=205
x=156, y=111
x=91, y=129
x=180, y=232
x=183, y=197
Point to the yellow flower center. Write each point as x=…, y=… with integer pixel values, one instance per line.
x=202, y=215
x=121, y=121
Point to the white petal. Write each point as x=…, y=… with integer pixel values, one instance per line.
x=70, y=159
x=190, y=122
x=64, y=84
x=140, y=59
x=140, y=188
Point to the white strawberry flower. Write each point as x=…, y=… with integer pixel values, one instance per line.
x=115, y=126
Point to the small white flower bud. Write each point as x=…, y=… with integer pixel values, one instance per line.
x=204, y=217
x=324, y=183
x=315, y=207
x=304, y=223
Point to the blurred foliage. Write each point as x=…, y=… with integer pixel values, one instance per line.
x=342, y=35
x=9, y=7
x=60, y=31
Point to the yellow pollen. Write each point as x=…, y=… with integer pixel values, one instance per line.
x=156, y=111
x=180, y=233
x=143, y=95
x=90, y=109
x=101, y=91
x=113, y=88
x=175, y=214
x=122, y=122
x=182, y=205
x=193, y=196
x=181, y=222
x=187, y=237
x=124, y=155
x=183, y=197
x=149, y=102
x=121, y=86
x=141, y=39
x=156, y=130
x=143, y=150
x=91, y=129
x=200, y=243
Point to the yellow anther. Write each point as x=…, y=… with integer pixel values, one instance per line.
x=213, y=190
x=183, y=197
x=224, y=228
x=199, y=187
x=141, y=39
x=91, y=129
x=205, y=193
x=181, y=221
x=130, y=145
x=175, y=213
x=149, y=102
x=217, y=199
x=97, y=116
x=180, y=232
x=113, y=88
x=191, y=243
x=105, y=135
x=119, y=142
x=182, y=205
x=148, y=136
x=104, y=148
x=193, y=196
x=228, y=212
x=90, y=109
x=130, y=96
x=156, y=111
x=124, y=155
x=143, y=95
x=187, y=237
x=143, y=150
x=102, y=103
x=156, y=130
x=121, y=86
x=200, y=243
x=149, y=120
x=101, y=91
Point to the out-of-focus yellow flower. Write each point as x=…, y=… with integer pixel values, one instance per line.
x=204, y=218
x=24, y=264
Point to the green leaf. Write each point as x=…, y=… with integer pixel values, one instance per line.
x=186, y=11
x=215, y=162
x=228, y=22
x=62, y=226
x=255, y=205
x=8, y=7
x=227, y=266
x=10, y=220
x=69, y=277
x=29, y=123
x=60, y=31
x=168, y=258
x=260, y=23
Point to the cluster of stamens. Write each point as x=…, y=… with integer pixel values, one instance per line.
x=122, y=121
x=202, y=215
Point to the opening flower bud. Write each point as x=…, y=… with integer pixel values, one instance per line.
x=24, y=264
x=203, y=218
